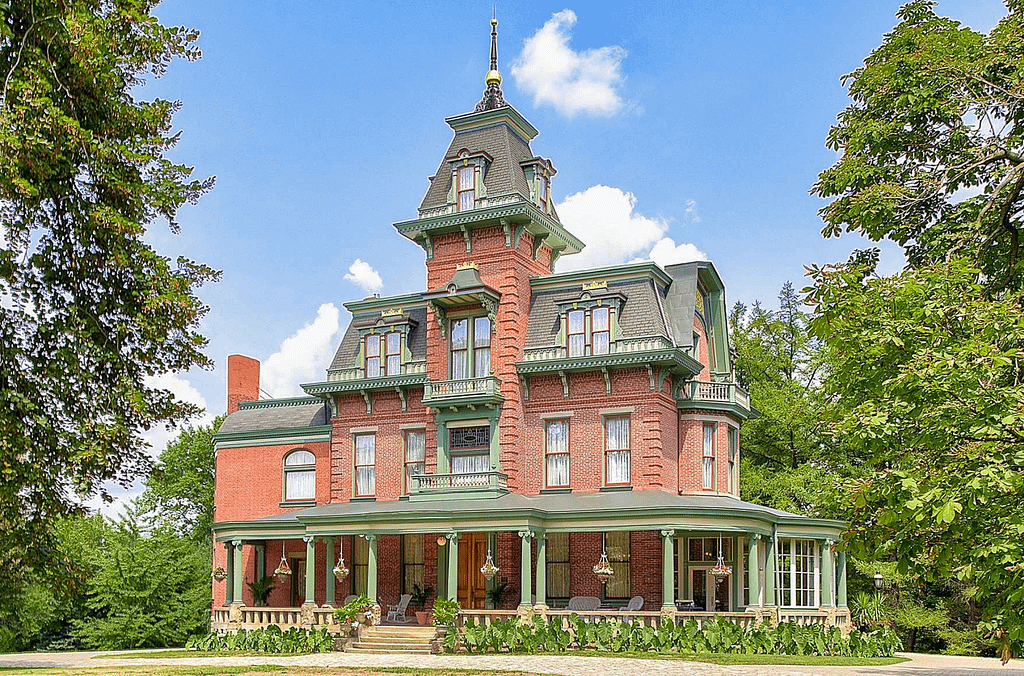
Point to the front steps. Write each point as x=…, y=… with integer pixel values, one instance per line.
x=387, y=639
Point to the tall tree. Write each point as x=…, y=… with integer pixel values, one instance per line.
x=927, y=368
x=88, y=310
x=787, y=456
x=179, y=489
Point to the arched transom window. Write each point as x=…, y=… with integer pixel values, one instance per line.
x=299, y=475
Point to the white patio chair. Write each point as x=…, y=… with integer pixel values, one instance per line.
x=635, y=603
x=584, y=604
x=396, y=613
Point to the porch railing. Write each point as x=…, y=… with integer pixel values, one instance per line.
x=429, y=483
x=256, y=617
x=466, y=387
x=803, y=617
x=647, y=618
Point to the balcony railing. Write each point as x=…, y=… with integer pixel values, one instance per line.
x=726, y=393
x=358, y=373
x=485, y=390
x=432, y=483
x=621, y=346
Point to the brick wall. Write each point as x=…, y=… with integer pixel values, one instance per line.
x=248, y=484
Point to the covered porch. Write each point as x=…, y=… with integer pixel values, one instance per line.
x=662, y=550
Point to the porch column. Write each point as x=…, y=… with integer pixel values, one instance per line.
x=236, y=595
x=453, y=566
x=442, y=569
x=310, y=569
x=828, y=583
x=229, y=568
x=541, y=580
x=371, y=567
x=753, y=577
x=329, y=600
x=524, y=569
x=770, y=598
x=841, y=579
x=668, y=570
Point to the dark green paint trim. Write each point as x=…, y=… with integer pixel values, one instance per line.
x=609, y=273
x=368, y=384
x=297, y=503
x=408, y=300
x=313, y=431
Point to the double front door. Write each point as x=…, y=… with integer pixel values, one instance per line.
x=472, y=584
x=709, y=592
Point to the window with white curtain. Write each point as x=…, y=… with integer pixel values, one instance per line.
x=708, y=459
x=366, y=465
x=462, y=464
x=415, y=456
x=577, y=334
x=616, y=444
x=467, y=189
x=557, y=452
x=299, y=476
x=600, y=333
x=481, y=347
x=459, y=351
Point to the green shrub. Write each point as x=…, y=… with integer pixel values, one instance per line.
x=718, y=635
x=446, y=611
x=355, y=609
x=265, y=640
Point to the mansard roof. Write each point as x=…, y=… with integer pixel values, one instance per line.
x=507, y=149
x=347, y=354
x=275, y=414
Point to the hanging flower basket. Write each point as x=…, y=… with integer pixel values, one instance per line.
x=283, y=568
x=721, y=570
x=340, y=570
x=219, y=574
x=489, y=570
x=602, y=569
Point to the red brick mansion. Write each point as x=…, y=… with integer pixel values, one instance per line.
x=543, y=420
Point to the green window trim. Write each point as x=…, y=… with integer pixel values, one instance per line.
x=479, y=330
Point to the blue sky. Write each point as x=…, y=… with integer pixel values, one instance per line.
x=705, y=123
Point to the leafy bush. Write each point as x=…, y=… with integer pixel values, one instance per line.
x=355, y=609
x=260, y=590
x=265, y=640
x=446, y=611
x=717, y=636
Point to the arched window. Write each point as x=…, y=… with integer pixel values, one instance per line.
x=299, y=476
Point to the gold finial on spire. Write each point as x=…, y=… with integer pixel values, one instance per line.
x=493, y=97
x=493, y=76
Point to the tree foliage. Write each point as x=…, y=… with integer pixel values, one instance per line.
x=179, y=489
x=88, y=309
x=933, y=143
x=926, y=365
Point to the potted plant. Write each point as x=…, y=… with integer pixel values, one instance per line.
x=219, y=574
x=355, y=612
x=446, y=612
x=260, y=590
x=419, y=599
x=496, y=594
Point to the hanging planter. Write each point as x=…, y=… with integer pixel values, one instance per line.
x=489, y=570
x=219, y=574
x=721, y=570
x=340, y=569
x=283, y=568
x=603, y=570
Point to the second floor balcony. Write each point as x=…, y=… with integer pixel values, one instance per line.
x=462, y=484
x=715, y=395
x=465, y=392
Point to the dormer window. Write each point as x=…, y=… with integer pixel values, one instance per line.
x=467, y=188
x=383, y=354
x=594, y=323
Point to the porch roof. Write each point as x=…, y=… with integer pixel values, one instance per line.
x=555, y=512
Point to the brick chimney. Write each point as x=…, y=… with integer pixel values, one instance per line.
x=243, y=380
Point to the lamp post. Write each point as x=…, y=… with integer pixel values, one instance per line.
x=878, y=581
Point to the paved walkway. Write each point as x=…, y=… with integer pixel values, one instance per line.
x=569, y=665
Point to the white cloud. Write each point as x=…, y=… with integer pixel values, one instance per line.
x=667, y=252
x=362, y=274
x=302, y=355
x=605, y=218
x=570, y=81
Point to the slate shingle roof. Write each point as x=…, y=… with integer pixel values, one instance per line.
x=641, y=314
x=504, y=175
x=277, y=417
x=348, y=350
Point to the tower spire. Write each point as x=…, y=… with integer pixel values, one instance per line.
x=493, y=97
